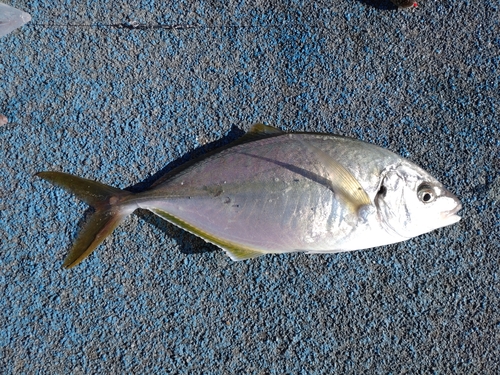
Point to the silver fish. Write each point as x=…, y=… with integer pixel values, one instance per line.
x=276, y=192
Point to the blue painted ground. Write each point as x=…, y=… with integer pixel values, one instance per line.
x=86, y=95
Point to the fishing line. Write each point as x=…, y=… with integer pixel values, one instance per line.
x=135, y=25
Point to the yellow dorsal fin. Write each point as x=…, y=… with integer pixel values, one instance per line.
x=264, y=129
x=258, y=131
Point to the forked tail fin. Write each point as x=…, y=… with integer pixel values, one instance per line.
x=111, y=207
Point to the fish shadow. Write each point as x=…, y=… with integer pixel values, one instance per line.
x=191, y=156
x=188, y=242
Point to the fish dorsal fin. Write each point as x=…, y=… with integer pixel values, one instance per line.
x=341, y=181
x=264, y=130
x=259, y=131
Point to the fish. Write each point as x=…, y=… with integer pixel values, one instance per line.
x=273, y=192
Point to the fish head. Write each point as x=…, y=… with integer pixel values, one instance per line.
x=411, y=202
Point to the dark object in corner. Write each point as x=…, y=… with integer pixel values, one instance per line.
x=405, y=3
x=389, y=5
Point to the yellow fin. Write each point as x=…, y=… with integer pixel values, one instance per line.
x=110, y=211
x=241, y=254
x=342, y=182
x=235, y=251
x=264, y=129
x=258, y=131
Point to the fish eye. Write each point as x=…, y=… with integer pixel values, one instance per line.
x=425, y=193
x=382, y=191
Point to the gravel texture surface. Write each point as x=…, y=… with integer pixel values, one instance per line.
x=85, y=92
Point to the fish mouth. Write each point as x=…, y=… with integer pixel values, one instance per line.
x=451, y=216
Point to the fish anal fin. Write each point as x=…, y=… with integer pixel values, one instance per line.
x=235, y=251
x=237, y=254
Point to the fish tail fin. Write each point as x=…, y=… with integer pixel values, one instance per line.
x=111, y=206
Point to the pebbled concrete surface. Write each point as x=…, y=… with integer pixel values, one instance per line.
x=85, y=94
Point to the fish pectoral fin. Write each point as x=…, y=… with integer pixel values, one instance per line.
x=235, y=251
x=342, y=182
